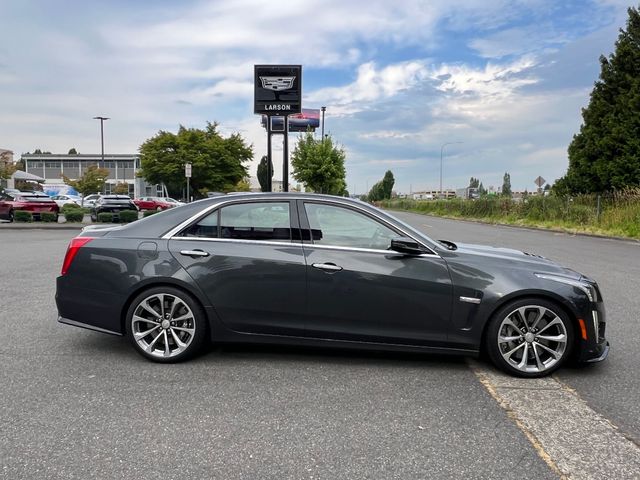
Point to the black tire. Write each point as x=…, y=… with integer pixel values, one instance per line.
x=156, y=349
x=158, y=209
x=544, y=356
x=10, y=217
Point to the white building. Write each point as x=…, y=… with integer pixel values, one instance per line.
x=122, y=168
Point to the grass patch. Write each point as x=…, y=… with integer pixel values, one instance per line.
x=614, y=215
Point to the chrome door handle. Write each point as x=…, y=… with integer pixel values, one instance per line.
x=327, y=267
x=194, y=253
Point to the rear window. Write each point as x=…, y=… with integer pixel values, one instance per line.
x=246, y=221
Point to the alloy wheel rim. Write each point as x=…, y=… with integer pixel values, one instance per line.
x=163, y=325
x=532, y=339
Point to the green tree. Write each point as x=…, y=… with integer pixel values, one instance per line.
x=481, y=189
x=72, y=151
x=217, y=162
x=387, y=184
x=6, y=171
x=605, y=154
x=319, y=164
x=474, y=183
x=506, y=185
x=382, y=190
x=242, y=186
x=91, y=181
x=122, y=188
x=263, y=173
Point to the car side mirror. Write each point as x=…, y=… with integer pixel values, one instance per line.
x=406, y=245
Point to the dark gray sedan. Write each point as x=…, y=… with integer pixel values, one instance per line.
x=303, y=269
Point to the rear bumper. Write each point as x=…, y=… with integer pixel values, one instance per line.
x=96, y=310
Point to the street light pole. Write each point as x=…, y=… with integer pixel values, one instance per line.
x=102, y=119
x=441, y=150
x=324, y=109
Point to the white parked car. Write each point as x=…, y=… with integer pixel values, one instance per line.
x=90, y=200
x=62, y=200
x=172, y=201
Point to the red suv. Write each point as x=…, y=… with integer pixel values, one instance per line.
x=33, y=202
x=152, y=203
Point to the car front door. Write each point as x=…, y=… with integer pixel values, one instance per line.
x=360, y=290
x=247, y=258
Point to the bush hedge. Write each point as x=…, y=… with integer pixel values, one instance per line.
x=49, y=217
x=73, y=214
x=105, y=217
x=22, y=216
x=148, y=213
x=127, y=216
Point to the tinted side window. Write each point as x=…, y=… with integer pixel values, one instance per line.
x=256, y=221
x=338, y=226
x=205, y=228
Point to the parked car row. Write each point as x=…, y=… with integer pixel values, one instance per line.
x=12, y=200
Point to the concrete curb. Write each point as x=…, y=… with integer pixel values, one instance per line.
x=42, y=226
x=524, y=227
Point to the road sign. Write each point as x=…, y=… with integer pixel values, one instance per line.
x=539, y=182
x=187, y=170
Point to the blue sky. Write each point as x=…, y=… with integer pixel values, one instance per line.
x=399, y=79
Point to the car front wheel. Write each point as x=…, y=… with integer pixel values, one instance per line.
x=166, y=325
x=529, y=338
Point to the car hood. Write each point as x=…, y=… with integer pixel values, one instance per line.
x=511, y=255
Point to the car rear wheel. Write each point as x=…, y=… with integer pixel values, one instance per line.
x=529, y=338
x=10, y=217
x=166, y=325
x=158, y=209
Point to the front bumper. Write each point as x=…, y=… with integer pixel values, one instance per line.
x=595, y=348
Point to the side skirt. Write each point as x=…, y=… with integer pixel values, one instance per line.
x=68, y=321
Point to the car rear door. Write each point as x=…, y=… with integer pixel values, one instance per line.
x=247, y=257
x=359, y=290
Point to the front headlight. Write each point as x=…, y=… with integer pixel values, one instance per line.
x=587, y=288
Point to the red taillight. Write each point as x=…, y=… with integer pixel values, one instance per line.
x=72, y=250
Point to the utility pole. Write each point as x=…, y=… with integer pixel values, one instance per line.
x=324, y=109
x=441, y=150
x=102, y=119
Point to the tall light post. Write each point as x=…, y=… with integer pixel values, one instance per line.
x=102, y=119
x=441, y=150
x=324, y=109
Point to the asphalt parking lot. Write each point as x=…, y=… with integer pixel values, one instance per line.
x=78, y=404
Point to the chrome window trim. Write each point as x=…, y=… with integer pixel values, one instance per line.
x=364, y=250
x=170, y=235
x=286, y=243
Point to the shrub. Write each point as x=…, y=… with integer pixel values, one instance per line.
x=127, y=216
x=74, y=215
x=105, y=217
x=148, y=213
x=22, y=216
x=49, y=217
x=70, y=207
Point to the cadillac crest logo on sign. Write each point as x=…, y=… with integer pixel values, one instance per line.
x=277, y=89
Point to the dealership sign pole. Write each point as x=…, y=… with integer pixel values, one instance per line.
x=277, y=93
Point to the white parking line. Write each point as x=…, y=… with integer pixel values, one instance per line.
x=574, y=440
